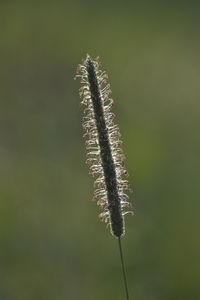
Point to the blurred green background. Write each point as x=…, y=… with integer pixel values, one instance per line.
x=52, y=244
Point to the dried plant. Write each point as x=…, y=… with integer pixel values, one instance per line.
x=103, y=149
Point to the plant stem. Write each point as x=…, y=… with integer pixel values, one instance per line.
x=123, y=268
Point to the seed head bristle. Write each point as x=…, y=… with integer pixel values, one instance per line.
x=104, y=154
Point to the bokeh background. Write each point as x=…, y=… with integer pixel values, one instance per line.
x=52, y=244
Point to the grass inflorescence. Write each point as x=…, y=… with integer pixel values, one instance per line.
x=104, y=153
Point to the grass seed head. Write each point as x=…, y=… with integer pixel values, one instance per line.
x=104, y=155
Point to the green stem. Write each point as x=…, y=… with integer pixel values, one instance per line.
x=123, y=268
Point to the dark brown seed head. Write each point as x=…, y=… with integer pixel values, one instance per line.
x=102, y=145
